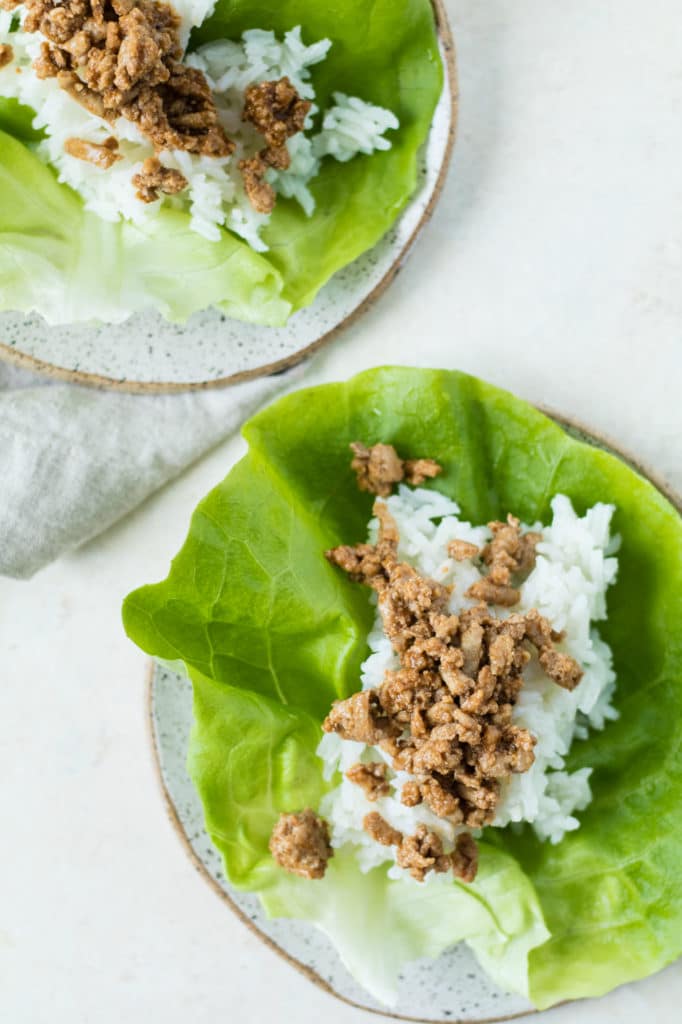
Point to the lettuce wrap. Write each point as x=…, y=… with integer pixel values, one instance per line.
x=270, y=634
x=64, y=262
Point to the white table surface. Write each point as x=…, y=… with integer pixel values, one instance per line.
x=553, y=268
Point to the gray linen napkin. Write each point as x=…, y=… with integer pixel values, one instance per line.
x=74, y=460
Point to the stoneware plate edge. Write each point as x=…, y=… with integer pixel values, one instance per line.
x=572, y=426
x=200, y=868
x=98, y=381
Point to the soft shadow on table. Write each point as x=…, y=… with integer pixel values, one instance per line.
x=480, y=36
x=262, y=392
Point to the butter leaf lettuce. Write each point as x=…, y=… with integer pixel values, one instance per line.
x=251, y=605
x=251, y=758
x=379, y=924
x=17, y=120
x=384, y=52
x=70, y=265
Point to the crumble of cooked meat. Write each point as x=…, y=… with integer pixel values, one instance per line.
x=563, y=669
x=465, y=857
x=10, y=5
x=411, y=794
x=278, y=158
x=278, y=113
x=155, y=178
x=6, y=54
x=510, y=552
x=360, y=718
x=441, y=802
x=445, y=716
x=103, y=155
x=560, y=667
x=462, y=550
x=380, y=831
x=262, y=195
x=494, y=593
x=371, y=778
x=380, y=467
x=300, y=844
x=421, y=853
x=418, y=471
x=50, y=62
x=540, y=631
x=123, y=58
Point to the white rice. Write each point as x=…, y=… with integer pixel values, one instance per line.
x=215, y=197
x=574, y=568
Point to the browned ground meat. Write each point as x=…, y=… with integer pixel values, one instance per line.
x=465, y=858
x=371, y=778
x=6, y=55
x=418, y=471
x=423, y=852
x=494, y=593
x=154, y=178
x=276, y=110
x=380, y=831
x=445, y=716
x=277, y=158
x=510, y=551
x=461, y=550
x=509, y=554
x=300, y=844
x=103, y=155
x=360, y=717
x=123, y=58
x=411, y=794
x=262, y=195
x=380, y=467
x=441, y=802
x=563, y=669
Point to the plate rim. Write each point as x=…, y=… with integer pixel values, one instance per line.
x=102, y=382
x=308, y=972
x=567, y=423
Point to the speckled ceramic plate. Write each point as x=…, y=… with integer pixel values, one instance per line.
x=451, y=988
x=148, y=354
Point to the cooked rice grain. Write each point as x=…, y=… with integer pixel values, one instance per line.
x=215, y=197
x=574, y=567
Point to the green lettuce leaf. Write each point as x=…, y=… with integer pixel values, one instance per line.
x=251, y=758
x=250, y=604
x=387, y=54
x=17, y=120
x=57, y=258
x=379, y=924
x=383, y=52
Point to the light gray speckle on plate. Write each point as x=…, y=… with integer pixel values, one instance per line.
x=451, y=987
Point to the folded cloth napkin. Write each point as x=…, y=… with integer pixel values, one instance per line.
x=74, y=460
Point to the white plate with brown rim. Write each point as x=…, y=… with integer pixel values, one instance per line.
x=452, y=988
x=148, y=354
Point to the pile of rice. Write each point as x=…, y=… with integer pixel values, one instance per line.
x=574, y=568
x=215, y=197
